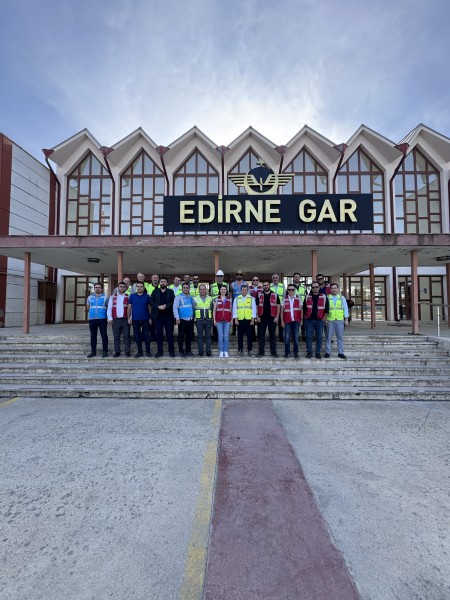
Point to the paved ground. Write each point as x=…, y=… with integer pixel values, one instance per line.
x=108, y=499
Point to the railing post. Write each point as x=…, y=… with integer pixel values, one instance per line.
x=439, y=320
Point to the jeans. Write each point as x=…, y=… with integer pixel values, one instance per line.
x=204, y=331
x=94, y=326
x=223, y=332
x=120, y=326
x=272, y=326
x=291, y=329
x=164, y=323
x=314, y=326
x=185, y=334
x=244, y=327
x=338, y=328
x=141, y=334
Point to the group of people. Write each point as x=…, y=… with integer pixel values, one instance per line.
x=153, y=309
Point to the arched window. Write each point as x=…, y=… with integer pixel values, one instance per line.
x=196, y=177
x=417, y=196
x=141, y=198
x=88, y=199
x=361, y=175
x=310, y=176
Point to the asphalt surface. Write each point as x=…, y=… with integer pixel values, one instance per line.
x=110, y=498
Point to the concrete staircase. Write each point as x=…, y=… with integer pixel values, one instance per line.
x=379, y=367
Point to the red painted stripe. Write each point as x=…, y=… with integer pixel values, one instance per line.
x=269, y=539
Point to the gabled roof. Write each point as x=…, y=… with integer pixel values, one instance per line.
x=65, y=150
x=307, y=133
x=126, y=144
x=383, y=145
x=186, y=137
x=252, y=137
x=440, y=143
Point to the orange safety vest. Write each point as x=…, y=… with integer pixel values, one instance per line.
x=287, y=310
x=273, y=304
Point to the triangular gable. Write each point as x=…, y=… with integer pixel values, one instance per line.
x=438, y=142
x=75, y=146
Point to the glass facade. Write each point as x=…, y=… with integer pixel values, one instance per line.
x=142, y=188
x=417, y=196
x=361, y=175
x=88, y=199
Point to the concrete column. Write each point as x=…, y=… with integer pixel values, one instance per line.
x=314, y=263
x=26, y=292
x=120, y=265
x=373, y=316
x=447, y=277
x=344, y=284
x=414, y=293
x=216, y=261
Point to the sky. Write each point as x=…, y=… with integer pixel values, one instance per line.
x=112, y=66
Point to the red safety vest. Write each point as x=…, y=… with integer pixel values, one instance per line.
x=273, y=304
x=287, y=310
x=223, y=310
x=125, y=306
x=320, y=306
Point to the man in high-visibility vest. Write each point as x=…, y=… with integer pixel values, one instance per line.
x=337, y=319
x=176, y=286
x=244, y=314
x=315, y=309
x=280, y=291
x=183, y=311
x=300, y=291
x=141, y=279
x=203, y=319
x=194, y=289
x=214, y=288
x=268, y=315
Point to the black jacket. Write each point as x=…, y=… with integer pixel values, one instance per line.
x=155, y=301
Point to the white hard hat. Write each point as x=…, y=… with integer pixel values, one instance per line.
x=219, y=272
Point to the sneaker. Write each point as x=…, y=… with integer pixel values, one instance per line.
x=309, y=355
x=260, y=354
x=221, y=354
x=208, y=354
x=105, y=354
x=190, y=353
x=200, y=354
x=275, y=355
x=148, y=354
x=116, y=354
x=138, y=355
x=318, y=355
x=239, y=353
x=250, y=353
x=91, y=354
x=158, y=355
x=226, y=355
x=342, y=356
x=127, y=354
x=326, y=355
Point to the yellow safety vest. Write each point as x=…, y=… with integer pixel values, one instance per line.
x=244, y=307
x=194, y=291
x=150, y=288
x=301, y=292
x=203, y=307
x=214, y=289
x=279, y=290
x=179, y=290
x=336, y=313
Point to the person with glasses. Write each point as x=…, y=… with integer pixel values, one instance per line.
x=291, y=318
x=268, y=315
x=255, y=288
x=337, y=321
x=315, y=309
x=194, y=289
x=324, y=286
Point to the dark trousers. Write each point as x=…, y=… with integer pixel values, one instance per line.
x=120, y=326
x=94, y=326
x=244, y=327
x=141, y=334
x=272, y=326
x=164, y=323
x=185, y=334
x=314, y=326
x=204, y=333
x=152, y=331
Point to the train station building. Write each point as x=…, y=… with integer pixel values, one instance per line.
x=370, y=213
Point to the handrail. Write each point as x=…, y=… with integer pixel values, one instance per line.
x=438, y=306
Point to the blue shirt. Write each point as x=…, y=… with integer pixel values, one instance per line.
x=140, y=306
